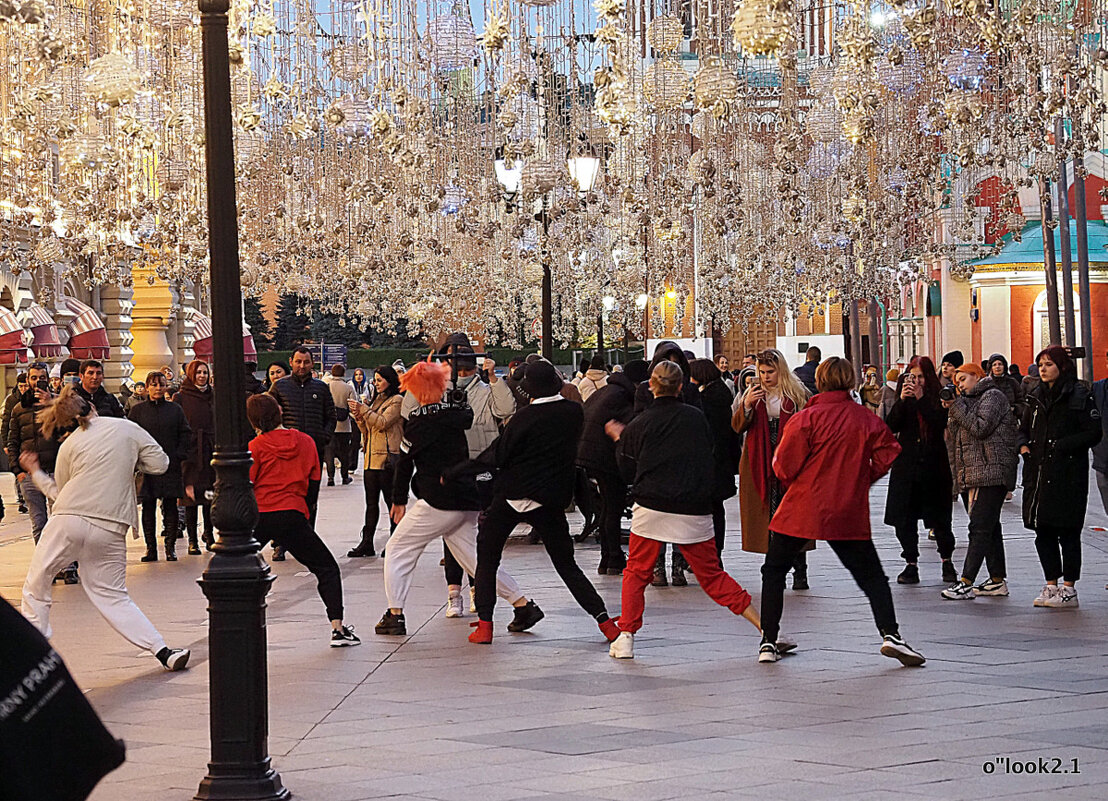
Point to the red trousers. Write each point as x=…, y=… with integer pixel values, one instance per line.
x=702, y=557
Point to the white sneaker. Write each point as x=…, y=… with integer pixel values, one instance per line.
x=959, y=591
x=768, y=653
x=1049, y=591
x=472, y=599
x=895, y=646
x=454, y=606
x=623, y=647
x=1065, y=598
x=990, y=587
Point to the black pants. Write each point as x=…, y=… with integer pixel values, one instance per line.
x=584, y=495
x=719, y=526
x=312, y=497
x=986, y=539
x=171, y=521
x=192, y=519
x=1049, y=540
x=857, y=556
x=291, y=531
x=613, y=499
x=909, y=541
x=337, y=448
x=377, y=483
x=551, y=527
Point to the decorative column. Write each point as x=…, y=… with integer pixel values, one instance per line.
x=115, y=305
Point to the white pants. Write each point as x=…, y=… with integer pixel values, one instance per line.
x=422, y=525
x=103, y=557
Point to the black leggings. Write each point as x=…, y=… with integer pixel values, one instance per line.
x=377, y=483
x=291, y=530
x=551, y=527
x=1049, y=541
x=192, y=519
x=857, y=556
x=908, y=535
x=613, y=498
x=171, y=521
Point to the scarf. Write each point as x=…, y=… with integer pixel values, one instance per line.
x=761, y=451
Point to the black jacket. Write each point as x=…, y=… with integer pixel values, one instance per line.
x=165, y=421
x=920, y=482
x=306, y=406
x=23, y=427
x=9, y=403
x=807, y=375
x=1060, y=424
x=105, y=403
x=716, y=400
x=615, y=401
x=253, y=385
x=667, y=351
x=435, y=443
x=535, y=454
x=663, y=454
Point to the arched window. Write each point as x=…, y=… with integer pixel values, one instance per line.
x=1041, y=324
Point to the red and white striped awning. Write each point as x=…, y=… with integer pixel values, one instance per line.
x=13, y=350
x=46, y=344
x=88, y=339
x=202, y=339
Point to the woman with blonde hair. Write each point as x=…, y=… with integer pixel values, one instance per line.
x=93, y=491
x=761, y=413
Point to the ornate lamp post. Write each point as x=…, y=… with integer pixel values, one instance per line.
x=236, y=579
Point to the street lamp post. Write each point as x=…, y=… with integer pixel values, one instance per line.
x=236, y=578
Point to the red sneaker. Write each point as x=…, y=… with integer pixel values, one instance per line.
x=610, y=629
x=482, y=632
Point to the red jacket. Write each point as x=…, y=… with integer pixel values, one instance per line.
x=829, y=455
x=284, y=462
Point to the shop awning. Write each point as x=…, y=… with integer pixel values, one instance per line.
x=88, y=338
x=13, y=350
x=202, y=339
x=45, y=344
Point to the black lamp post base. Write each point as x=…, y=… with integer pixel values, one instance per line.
x=231, y=783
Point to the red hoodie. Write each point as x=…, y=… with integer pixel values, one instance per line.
x=284, y=462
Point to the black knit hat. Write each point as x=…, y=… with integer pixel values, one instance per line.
x=955, y=357
x=71, y=366
x=541, y=380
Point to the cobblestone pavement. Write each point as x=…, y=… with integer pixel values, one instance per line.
x=548, y=715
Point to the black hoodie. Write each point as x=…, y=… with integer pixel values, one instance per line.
x=614, y=401
x=435, y=441
x=667, y=351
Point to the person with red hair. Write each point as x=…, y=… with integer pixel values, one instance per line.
x=920, y=482
x=1060, y=424
x=447, y=506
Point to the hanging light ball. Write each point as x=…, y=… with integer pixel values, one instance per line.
x=824, y=121
x=354, y=115
x=900, y=70
x=715, y=86
x=172, y=174
x=825, y=157
x=665, y=85
x=112, y=80
x=965, y=69
x=454, y=200
x=349, y=62
x=453, y=40
x=665, y=33
x=760, y=26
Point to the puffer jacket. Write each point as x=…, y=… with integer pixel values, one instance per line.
x=383, y=429
x=306, y=406
x=24, y=428
x=590, y=382
x=981, y=439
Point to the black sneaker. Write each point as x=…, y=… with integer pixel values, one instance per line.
x=344, y=637
x=390, y=624
x=910, y=575
x=174, y=659
x=23, y=508
x=950, y=574
x=526, y=616
x=800, y=580
x=894, y=646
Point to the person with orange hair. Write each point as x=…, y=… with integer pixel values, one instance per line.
x=447, y=506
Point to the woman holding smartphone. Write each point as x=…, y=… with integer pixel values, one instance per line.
x=381, y=426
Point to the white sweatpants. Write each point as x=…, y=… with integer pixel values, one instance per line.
x=422, y=525
x=103, y=557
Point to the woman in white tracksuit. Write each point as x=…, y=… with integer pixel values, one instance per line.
x=93, y=490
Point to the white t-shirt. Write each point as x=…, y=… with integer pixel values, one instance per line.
x=671, y=527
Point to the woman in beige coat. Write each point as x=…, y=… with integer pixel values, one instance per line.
x=382, y=428
x=761, y=413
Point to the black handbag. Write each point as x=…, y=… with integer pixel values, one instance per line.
x=52, y=743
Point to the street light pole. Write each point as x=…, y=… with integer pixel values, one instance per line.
x=236, y=578
x=547, y=290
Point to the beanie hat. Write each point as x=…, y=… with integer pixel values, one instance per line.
x=71, y=366
x=541, y=380
x=955, y=357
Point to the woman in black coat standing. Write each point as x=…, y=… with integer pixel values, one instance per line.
x=920, y=483
x=715, y=398
x=1060, y=424
x=195, y=398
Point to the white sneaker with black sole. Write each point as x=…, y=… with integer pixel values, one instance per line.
x=990, y=588
x=623, y=646
x=454, y=606
x=1065, y=598
x=344, y=637
x=894, y=646
x=959, y=592
x=768, y=653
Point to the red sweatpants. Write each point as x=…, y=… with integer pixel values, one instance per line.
x=704, y=561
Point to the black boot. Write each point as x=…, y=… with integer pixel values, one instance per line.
x=151, y=555
x=170, y=549
x=209, y=540
x=363, y=548
x=194, y=547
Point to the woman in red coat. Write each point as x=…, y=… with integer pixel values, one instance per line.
x=830, y=454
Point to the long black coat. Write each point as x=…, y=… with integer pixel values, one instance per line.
x=197, y=470
x=715, y=399
x=596, y=452
x=920, y=483
x=165, y=421
x=1060, y=425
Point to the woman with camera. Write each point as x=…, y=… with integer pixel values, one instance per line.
x=920, y=484
x=1060, y=424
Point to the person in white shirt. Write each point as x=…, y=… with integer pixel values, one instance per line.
x=93, y=491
